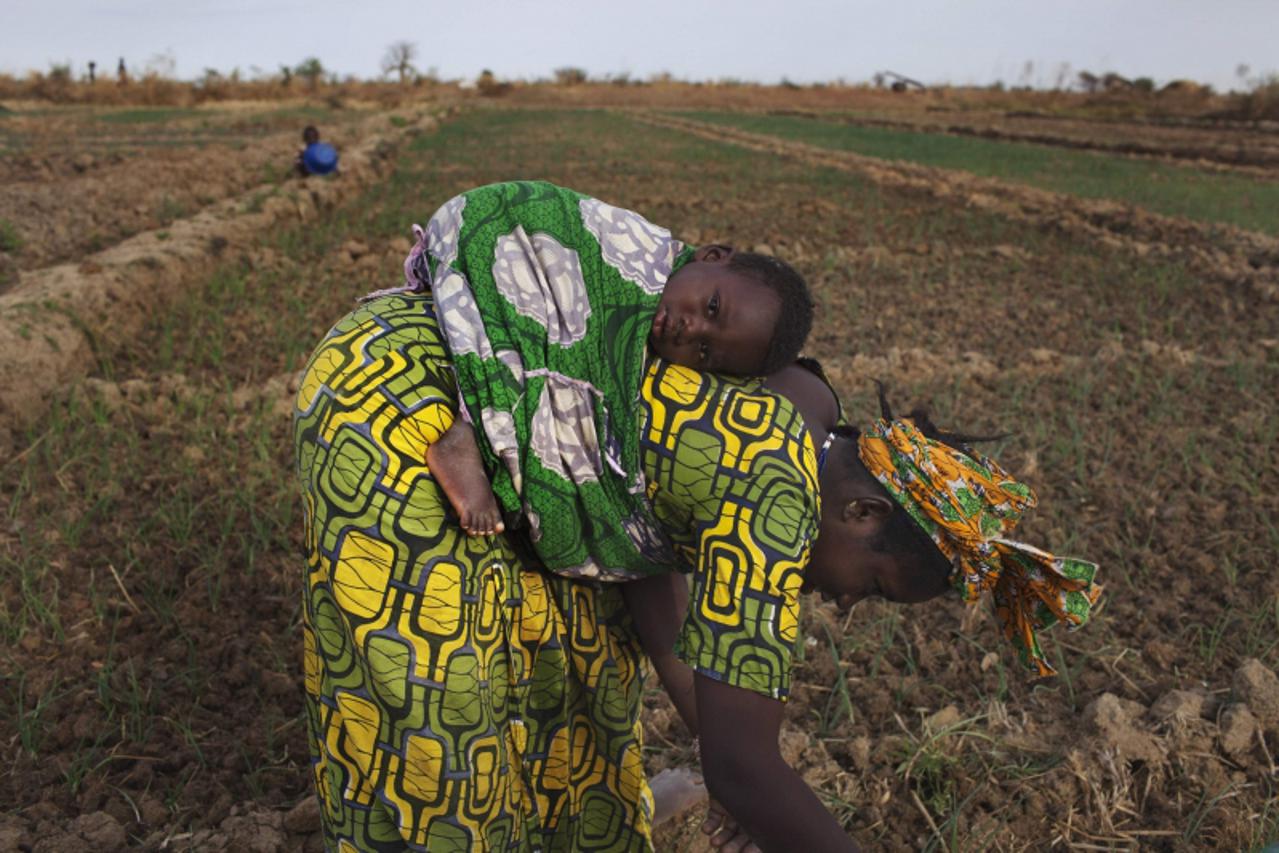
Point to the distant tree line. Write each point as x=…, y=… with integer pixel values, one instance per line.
x=155, y=83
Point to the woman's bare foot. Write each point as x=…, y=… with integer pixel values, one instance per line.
x=675, y=791
x=723, y=833
x=455, y=463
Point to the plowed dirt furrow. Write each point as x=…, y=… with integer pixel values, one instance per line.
x=1241, y=149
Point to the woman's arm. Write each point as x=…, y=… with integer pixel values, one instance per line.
x=745, y=771
x=658, y=606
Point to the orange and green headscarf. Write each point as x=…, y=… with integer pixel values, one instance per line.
x=968, y=505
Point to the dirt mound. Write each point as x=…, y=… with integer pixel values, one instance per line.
x=53, y=322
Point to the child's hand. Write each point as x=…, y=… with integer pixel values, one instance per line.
x=725, y=835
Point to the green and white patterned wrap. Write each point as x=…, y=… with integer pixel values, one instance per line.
x=546, y=297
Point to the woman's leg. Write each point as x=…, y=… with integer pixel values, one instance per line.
x=582, y=681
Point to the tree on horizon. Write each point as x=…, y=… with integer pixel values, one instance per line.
x=310, y=70
x=399, y=58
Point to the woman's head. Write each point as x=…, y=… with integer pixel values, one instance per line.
x=943, y=516
x=869, y=546
x=732, y=312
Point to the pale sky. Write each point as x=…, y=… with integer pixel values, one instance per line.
x=936, y=41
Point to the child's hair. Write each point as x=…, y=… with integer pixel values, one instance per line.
x=310, y=134
x=794, y=320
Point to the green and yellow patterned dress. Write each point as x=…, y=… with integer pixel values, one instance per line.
x=459, y=698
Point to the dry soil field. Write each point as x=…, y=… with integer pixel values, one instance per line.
x=167, y=279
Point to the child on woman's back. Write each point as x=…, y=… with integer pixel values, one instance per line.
x=735, y=313
x=552, y=304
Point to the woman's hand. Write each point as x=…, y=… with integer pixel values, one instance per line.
x=725, y=834
x=745, y=772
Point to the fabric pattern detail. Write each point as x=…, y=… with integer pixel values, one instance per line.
x=543, y=281
x=513, y=363
x=458, y=310
x=444, y=229
x=563, y=431
x=456, y=699
x=499, y=429
x=641, y=252
x=733, y=480
x=967, y=503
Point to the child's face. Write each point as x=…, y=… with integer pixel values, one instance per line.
x=712, y=318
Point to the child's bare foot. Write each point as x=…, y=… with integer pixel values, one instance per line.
x=455, y=463
x=675, y=791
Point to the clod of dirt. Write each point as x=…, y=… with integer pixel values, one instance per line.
x=99, y=832
x=1238, y=728
x=809, y=758
x=259, y=831
x=859, y=751
x=1180, y=705
x=13, y=832
x=822, y=773
x=102, y=391
x=1258, y=686
x=1161, y=653
x=304, y=817
x=1112, y=720
x=356, y=249
x=1010, y=252
x=153, y=812
x=1040, y=355
x=947, y=716
x=791, y=743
